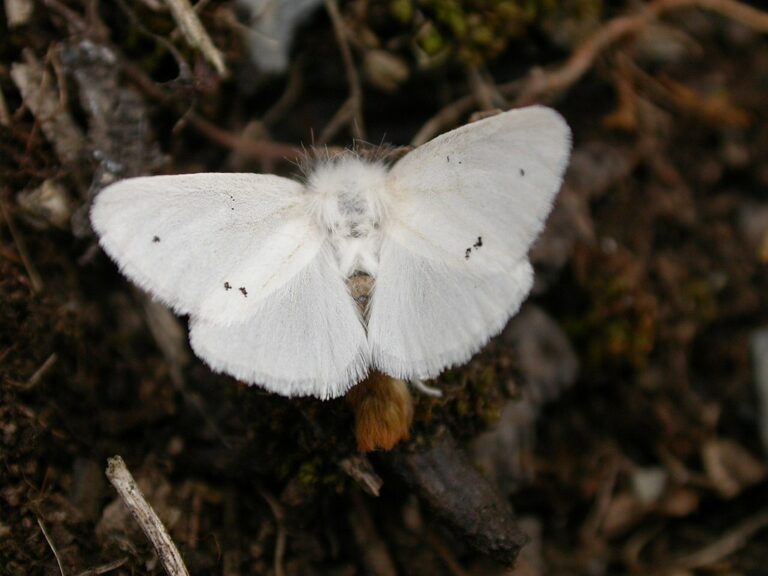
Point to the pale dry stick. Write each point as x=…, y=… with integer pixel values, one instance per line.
x=726, y=545
x=104, y=568
x=359, y=468
x=280, y=540
x=5, y=117
x=479, y=88
x=45, y=103
x=195, y=34
x=37, y=377
x=142, y=512
x=51, y=546
x=35, y=279
x=547, y=85
x=352, y=109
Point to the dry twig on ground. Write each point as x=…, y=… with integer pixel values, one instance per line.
x=51, y=546
x=193, y=30
x=548, y=85
x=120, y=477
x=35, y=280
x=281, y=538
x=352, y=109
x=727, y=544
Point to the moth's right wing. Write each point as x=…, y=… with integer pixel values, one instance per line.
x=466, y=208
x=211, y=245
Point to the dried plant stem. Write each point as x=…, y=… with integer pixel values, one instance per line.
x=373, y=550
x=281, y=539
x=352, y=109
x=727, y=544
x=548, y=85
x=51, y=546
x=5, y=117
x=193, y=30
x=126, y=486
x=105, y=568
x=262, y=149
x=35, y=280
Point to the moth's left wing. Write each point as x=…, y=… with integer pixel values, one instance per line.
x=466, y=208
x=304, y=339
x=210, y=245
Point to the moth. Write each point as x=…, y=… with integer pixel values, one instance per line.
x=262, y=264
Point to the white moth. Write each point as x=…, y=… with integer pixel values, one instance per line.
x=260, y=263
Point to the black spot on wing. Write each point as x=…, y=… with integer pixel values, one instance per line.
x=155, y=239
x=243, y=291
x=227, y=286
x=478, y=244
x=522, y=172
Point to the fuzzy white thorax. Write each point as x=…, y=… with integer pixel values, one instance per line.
x=349, y=201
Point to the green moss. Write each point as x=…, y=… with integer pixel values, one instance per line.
x=618, y=325
x=700, y=300
x=477, y=31
x=473, y=31
x=309, y=472
x=431, y=41
x=402, y=10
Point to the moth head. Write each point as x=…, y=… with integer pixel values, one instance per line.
x=347, y=186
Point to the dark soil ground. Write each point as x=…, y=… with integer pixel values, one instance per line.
x=619, y=413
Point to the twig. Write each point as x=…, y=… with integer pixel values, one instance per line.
x=34, y=82
x=741, y=13
x=713, y=109
x=142, y=512
x=35, y=379
x=51, y=546
x=195, y=33
x=73, y=18
x=374, y=553
x=185, y=74
x=445, y=554
x=290, y=95
x=727, y=544
x=542, y=85
x=477, y=85
x=5, y=117
x=104, y=568
x=449, y=115
x=351, y=110
x=457, y=493
x=359, y=468
x=34, y=276
x=547, y=85
x=262, y=149
x=280, y=539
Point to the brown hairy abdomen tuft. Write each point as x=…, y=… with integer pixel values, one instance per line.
x=383, y=412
